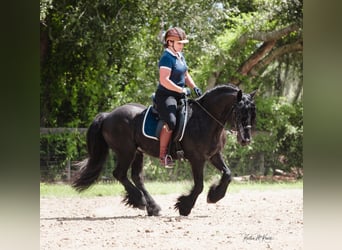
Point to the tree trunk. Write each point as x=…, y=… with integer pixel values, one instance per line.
x=298, y=91
x=44, y=42
x=278, y=83
x=248, y=65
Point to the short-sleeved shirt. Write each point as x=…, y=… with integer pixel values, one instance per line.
x=176, y=64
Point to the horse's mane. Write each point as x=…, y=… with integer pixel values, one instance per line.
x=230, y=88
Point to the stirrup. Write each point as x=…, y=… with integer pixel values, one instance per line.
x=167, y=162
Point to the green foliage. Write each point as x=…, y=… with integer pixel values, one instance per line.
x=153, y=171
x=58, y=149
x=88, y=63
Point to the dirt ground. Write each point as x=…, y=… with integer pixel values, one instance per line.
x=242, y=220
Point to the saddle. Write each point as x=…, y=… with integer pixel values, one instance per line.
x=152, y=124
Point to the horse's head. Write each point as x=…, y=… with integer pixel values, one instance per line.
x=245, y=114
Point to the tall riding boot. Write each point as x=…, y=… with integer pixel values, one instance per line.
x=164, y=139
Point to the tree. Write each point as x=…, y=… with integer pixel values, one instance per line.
x=83, y=49
x=256, y=42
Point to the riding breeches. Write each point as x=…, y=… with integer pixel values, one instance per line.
x=167, y=107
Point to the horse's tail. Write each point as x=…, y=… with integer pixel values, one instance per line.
x=91, y=167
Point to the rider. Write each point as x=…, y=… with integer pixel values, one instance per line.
x=173, y=79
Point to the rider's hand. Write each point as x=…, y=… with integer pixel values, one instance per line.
x=198, y=91
x=186, y=91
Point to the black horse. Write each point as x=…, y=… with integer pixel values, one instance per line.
x=203, y=140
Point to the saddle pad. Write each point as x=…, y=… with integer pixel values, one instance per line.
x=150, y=124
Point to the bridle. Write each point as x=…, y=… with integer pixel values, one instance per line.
x=232, y=109
x=213, y=117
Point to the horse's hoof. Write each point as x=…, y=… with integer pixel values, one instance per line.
x=132, y=201
x=209, y=201
x=213, y=195
x=182, y=208
x=141, y=207
x=184, y=212
x=153, y=211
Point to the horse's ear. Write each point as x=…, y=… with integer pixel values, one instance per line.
x=239, y=96
x=253, y=93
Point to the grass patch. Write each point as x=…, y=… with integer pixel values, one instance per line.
x=261, y=186
x=116, y=189
x=65, y=190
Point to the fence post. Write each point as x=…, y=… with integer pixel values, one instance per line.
x=68, y=170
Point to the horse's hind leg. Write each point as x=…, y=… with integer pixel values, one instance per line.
x=137, y=176
x=134, y=196
x=218, y=191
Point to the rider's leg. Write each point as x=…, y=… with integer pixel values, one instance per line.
x=165, y=136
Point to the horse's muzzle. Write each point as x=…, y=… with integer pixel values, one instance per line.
x=244, y=135
x=245, y=142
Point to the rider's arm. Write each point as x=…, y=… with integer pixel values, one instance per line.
x=164, y=79
x=188, y=80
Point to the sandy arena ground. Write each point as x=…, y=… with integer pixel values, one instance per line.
x=242, y=220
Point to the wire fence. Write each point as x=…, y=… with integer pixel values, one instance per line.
x=57, y=160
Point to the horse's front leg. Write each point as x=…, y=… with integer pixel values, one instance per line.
x=186, y=202
x=137, y=177
x=218, y=191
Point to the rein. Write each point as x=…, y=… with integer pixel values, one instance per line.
x=213, y=117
